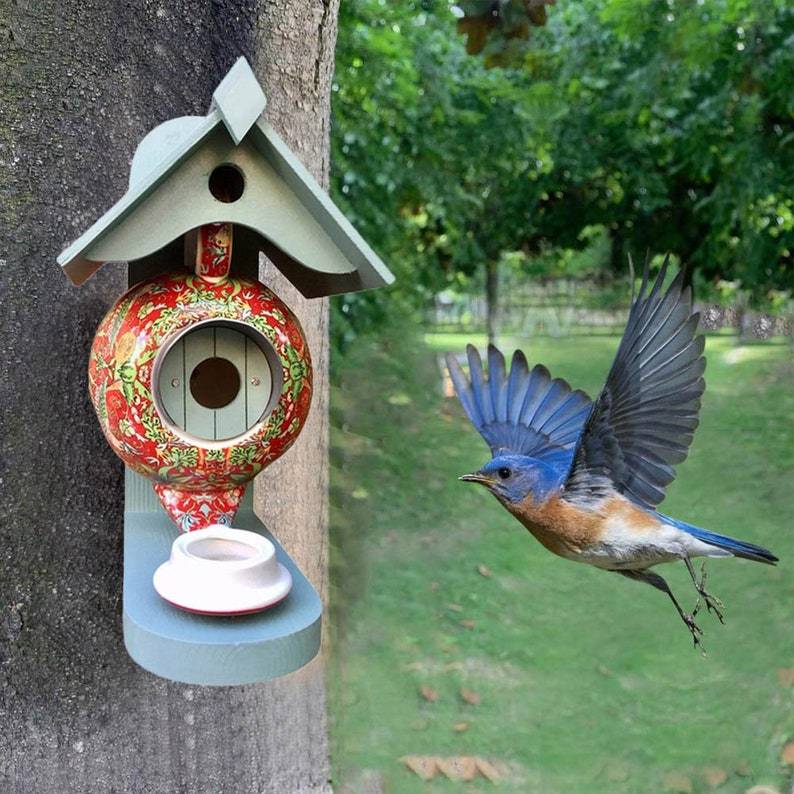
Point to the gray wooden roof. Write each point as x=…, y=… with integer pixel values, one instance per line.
x=297, y=225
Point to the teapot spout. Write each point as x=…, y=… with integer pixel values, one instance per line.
x=191, y=510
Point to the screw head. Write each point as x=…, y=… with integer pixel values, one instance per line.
x=255, y=381
x=175, y=382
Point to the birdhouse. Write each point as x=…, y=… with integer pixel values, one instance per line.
x=201, y=376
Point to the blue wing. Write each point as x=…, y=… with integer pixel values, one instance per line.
x=526, y=412
x=644, y=419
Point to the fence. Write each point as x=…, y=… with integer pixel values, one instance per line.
x=564, y=308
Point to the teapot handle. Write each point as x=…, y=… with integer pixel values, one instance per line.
x=214, y=252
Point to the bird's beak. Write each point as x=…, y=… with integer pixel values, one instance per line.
x=476, y=477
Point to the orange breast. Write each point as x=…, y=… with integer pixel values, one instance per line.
x=561, y=527
x=568, y=530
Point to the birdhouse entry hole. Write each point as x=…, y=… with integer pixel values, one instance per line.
x=221, y=550
x=214, y=382
x=227, y=183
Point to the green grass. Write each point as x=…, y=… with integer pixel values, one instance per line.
x=588, y=682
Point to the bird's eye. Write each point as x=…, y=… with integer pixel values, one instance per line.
x=504, y=473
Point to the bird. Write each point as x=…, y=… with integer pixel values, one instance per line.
x=584, y=476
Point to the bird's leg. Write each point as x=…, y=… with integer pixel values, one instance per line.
x=713, y=604
x=654, y=580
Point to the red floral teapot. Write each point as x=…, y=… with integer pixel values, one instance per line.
x=200, y=380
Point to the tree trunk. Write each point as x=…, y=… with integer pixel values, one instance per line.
x=617, y=255
x=81, y=84
x=491, y=299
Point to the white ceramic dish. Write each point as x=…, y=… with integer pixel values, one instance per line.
x=222, y=571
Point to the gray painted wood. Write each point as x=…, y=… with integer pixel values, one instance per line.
x=183, y=201
x=316, y=247
x=197, y=649
x=240, y=99
x=81, y=84
x=198, y=345
x=258, y=383
x=172, y=384
x=233, y=419
x=230, y=420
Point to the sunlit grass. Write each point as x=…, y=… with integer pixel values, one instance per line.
x=588, y=682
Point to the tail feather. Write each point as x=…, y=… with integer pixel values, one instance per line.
x=739, y=548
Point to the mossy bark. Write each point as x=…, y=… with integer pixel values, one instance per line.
x=80, y=85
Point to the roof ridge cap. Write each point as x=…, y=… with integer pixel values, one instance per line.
x=239, y=99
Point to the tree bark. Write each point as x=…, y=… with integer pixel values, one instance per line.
x=81, y=84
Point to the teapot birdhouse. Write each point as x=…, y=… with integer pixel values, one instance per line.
x=201, y=376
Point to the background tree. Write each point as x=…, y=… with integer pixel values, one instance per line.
x=498, y=28
x=666, y=125
x=686, y=124
x=81, y=85
x=428, y=147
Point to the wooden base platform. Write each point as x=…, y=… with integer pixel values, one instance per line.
x=199, y=649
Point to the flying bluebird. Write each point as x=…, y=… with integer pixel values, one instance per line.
x=585, y=477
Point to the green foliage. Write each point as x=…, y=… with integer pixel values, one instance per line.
x=690, y=123
x=664, y=125
x=431, y=151
x=496, y=28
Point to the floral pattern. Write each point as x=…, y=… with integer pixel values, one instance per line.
x=190, y=510
x=214, y=251
x=197, y=485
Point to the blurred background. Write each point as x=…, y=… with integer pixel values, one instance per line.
x=505, y=158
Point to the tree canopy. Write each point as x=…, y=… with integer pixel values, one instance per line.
x=667, y=125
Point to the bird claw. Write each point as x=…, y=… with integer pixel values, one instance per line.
x=693, y=627
x=713, y=604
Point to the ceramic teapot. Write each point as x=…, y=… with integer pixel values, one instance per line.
x=199, y=381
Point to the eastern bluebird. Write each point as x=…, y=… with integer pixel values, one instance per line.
x=585, y=477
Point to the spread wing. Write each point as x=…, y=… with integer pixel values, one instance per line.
x=526, y=412
x=644, y=419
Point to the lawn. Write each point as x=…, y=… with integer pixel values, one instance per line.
x=582, y=681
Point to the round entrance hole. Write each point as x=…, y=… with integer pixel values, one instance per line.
x=214, y=382
x=227, y=183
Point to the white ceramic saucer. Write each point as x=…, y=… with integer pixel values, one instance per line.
x=222, y=571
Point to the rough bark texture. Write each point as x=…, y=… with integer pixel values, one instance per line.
x=292, y=494
x=80, y=84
